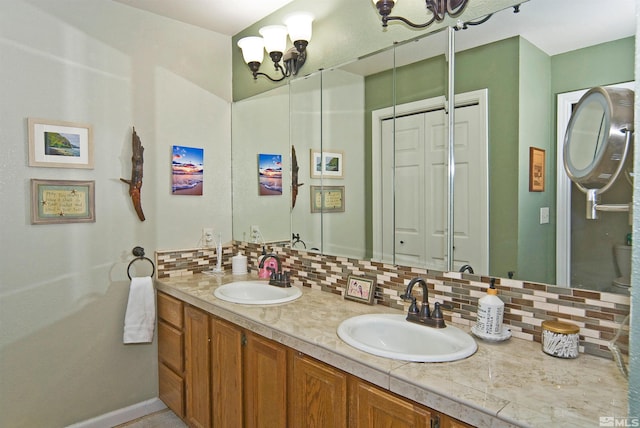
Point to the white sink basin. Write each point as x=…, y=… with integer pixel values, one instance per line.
x=392, y=336
x=256, y=293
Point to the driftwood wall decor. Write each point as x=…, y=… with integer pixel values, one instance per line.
x=294, y=177
x=135, y=183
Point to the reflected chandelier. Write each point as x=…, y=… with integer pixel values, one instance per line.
x=274, y=41
x=438, y=8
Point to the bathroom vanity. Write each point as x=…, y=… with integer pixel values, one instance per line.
x=225, y=364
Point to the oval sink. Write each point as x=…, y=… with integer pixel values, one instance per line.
x=256, y=293
x=392, y=336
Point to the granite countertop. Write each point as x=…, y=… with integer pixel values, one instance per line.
x=511, y=383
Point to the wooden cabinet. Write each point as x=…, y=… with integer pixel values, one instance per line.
x=214, y=373
x=226, y=373
x=449, y=422
x=171, y=353
x=372, y=407
x=317, y=393
x=265, y=382
x=197, y=367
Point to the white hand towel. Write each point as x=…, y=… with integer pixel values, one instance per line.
x=140, y=319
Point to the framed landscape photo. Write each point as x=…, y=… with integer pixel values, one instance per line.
x=332, y=164
x=361, y=289
x=60, y=144
x=62, y=201
x=326, y=164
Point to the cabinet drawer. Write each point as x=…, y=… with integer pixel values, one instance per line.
x=171, y=389
x=170, y=347
x=170, y=310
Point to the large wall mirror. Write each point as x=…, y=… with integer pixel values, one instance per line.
x=502, y=63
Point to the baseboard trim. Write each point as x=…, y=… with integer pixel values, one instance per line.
x=121, y=416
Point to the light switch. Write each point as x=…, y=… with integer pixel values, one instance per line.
x=544, y=215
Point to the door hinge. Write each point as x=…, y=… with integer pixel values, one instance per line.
x=243, y=339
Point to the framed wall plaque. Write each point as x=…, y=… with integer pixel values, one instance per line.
x=327, y=199
x=62, y=201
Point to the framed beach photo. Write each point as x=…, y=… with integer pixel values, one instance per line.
x=60, y=144
x=187, y=171
x=361, y=289
x=62, y=201
x=269, y=174
x=326, y=164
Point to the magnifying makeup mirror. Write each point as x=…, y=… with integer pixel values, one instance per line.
x=598, y=142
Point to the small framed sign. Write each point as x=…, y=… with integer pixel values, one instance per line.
x=361, y=289
x=327, y=199
x=536, y=169
x=62, y=201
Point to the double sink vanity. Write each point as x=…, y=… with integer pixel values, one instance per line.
x=235, y=351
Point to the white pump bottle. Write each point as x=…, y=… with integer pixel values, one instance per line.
x=490, y=312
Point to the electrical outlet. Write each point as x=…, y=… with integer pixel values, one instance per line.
x=544, y=215
x=207, y=236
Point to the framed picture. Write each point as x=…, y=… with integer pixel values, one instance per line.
x=60, y=144
x=328, y=199
x=536, y=169
x=361, y=289
x=326, y=164
x=62, y=201
x=187, y=170
x=269, y=175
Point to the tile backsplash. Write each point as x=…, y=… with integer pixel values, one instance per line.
x=598, y=314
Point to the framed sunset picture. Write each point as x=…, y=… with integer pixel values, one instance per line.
x=269, y=174
x=187, y=171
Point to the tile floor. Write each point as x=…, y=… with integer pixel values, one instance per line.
x=162, y=419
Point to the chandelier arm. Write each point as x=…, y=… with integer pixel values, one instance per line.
x=454, y=13
x=256, y=74
x=438, y=9
x=406, y=21
x=285, y=71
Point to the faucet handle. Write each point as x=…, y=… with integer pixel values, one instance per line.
x=413, y=308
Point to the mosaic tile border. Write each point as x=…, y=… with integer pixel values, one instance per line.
x=598, y=314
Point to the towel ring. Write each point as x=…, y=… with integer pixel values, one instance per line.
x=139, y=253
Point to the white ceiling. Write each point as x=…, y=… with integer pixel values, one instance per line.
x=554, y=26
x=222, y=16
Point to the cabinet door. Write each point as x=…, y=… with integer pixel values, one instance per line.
x=170, y=310
x=226, y=374
x=317, y=393
x=170, y=353
x=373, y=407
x=265, y=385
x=197, y=371
x=170, y=349
x=449, y=422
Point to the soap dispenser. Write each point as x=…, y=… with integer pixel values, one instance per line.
x=490, y=312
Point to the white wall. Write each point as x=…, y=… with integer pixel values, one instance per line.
x=63, y=287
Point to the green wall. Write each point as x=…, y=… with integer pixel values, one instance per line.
x=514, y=71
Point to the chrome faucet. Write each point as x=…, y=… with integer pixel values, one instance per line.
x=278, y=278
x=423, y=316
x=466, y=268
